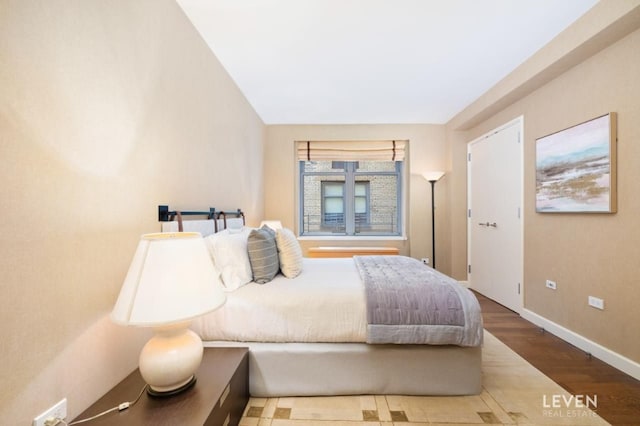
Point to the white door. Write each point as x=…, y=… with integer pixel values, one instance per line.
x=495, y=215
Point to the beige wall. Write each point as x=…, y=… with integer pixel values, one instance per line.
x=586, y=254
x=427, y=152
x=107, y=109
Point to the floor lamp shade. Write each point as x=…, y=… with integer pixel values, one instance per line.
x=433, y=176
x=171, y=281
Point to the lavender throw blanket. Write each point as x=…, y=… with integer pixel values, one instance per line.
x=408, y=302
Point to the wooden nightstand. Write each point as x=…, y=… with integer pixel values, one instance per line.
x=218, y=398
x=351, y=251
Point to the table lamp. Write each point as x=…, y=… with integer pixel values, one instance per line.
x=171, y=281
x=273, y=224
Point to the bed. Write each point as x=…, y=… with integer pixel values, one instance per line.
x=315, y=334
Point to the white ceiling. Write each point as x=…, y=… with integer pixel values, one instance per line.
x=373, y=61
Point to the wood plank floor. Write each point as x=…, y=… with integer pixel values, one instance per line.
x=618, y=394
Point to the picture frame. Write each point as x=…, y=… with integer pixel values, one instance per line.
x=576, y=168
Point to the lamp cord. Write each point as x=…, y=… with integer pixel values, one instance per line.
x=123, y=406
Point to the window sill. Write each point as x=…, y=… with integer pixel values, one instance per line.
x=352, y=251
x=351, y=238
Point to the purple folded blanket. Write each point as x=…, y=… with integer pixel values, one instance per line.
x=408, y=302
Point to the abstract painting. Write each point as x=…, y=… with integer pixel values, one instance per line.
x=576, y=168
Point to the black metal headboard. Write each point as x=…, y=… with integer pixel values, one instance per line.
x=166, y=215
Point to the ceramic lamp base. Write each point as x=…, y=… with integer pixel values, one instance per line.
x=169, y=360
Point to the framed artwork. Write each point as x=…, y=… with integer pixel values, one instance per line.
x=576, y=168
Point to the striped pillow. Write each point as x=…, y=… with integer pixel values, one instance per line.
x=289, y=252
x=263, y=254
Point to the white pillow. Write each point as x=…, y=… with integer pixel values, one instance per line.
x=229, y=252
x=289, y=253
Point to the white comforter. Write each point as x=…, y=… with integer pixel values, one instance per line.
x=325, y=303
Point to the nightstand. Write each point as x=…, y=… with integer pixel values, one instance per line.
x=218, y=398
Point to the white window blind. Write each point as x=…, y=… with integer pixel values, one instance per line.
x=351, y=150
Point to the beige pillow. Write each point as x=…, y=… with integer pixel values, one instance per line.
x=289, y=253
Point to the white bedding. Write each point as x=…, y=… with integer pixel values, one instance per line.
x=325, y=303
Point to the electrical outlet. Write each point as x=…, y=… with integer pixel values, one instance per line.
x=425, y=260
x=58, y=411
x=596, y=302
x=552, y=285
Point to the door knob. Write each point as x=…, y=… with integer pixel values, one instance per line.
x=493, y=225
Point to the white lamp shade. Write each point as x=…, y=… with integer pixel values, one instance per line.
x=273, y=224
x=433, y=176
x=171, y=279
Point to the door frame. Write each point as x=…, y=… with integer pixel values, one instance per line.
x=518, y=121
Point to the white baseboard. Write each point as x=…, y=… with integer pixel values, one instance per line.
x=614, y=359
x=464, y=283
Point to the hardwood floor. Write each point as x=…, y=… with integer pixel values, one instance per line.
x=618, y=394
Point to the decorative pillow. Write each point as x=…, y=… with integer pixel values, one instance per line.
x=289, y=253
x=229, y=253
x=263, y=254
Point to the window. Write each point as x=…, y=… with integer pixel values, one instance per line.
x=350, y=197
x=333, y=205
x=361, y=206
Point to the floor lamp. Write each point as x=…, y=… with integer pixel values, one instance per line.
x=432, y=178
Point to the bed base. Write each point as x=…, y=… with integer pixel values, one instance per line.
x=315, y=369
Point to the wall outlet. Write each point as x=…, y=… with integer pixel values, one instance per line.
x=551, y=284
x=425, y=260
x=58, y=411
x=596, y=302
